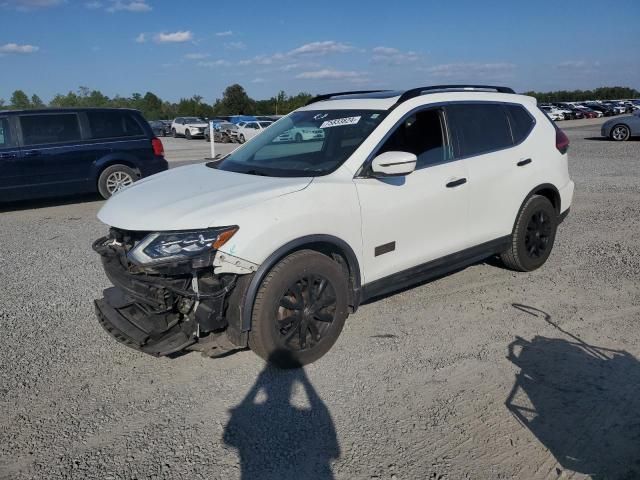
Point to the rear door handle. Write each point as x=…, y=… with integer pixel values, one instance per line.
x=456, y=183
x=524, y=162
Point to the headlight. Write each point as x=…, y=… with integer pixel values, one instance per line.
x=163, y=246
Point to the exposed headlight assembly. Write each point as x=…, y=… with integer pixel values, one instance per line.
x=172, y=246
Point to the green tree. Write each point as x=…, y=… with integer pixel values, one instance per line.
x=36, y=102
x=235, y=101
x=19, y=100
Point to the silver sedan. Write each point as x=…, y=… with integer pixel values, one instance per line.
x=622, y=128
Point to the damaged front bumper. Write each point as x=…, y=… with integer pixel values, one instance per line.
x=168, y=307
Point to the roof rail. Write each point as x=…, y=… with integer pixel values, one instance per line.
x=416, y=92
x=327, y=96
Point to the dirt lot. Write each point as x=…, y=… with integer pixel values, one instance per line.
x=483, y=374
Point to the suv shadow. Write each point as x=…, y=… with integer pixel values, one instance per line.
x=581, y=401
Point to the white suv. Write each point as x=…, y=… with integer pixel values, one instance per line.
x=188, y=127
x=274, y=245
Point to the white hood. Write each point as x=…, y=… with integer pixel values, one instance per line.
x=196, y=125
x=190, y=197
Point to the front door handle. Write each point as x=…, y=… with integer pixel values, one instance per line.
x=31, y=153
x=456, y=183
x=524, y=162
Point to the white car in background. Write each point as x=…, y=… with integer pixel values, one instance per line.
x=188, y=127
x=552, y=112
x=301, y=134
x=248, y=130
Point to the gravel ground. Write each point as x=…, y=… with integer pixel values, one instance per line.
x=483, y=374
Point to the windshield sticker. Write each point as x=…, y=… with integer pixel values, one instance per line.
x=374, y=116
x=339, y=122
x=320, y=116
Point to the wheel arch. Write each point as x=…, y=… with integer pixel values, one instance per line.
x=329, y=245
x=546, y=190
x=104, y=163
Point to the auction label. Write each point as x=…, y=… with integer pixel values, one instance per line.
x=338, y=122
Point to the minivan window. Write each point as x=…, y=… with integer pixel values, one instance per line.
x=50, y=128
x=521, y=122
x=5, y=134
x=422, y=135
x=479, y=127
x=113, y=125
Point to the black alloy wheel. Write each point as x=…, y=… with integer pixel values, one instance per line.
x=539, y=230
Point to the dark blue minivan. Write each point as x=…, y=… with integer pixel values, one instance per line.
x=53, y=152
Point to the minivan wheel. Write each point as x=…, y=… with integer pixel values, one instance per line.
x=300, y=309
x=115, y=178
x=620, y=133
x=533, y=235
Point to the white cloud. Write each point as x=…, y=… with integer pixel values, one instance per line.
x=235, y=45
x=175, y=37
x=393, y=56
x=129, y=6
x=141, y=38
x=321, y=48
x=18, y=49
x=258, y=80
x=27, y=5
x=214, y=63
x=196, y=56
x=93, y=5
x=328, y=74
x=577, y=65
x=228, y=33
x=469, y=71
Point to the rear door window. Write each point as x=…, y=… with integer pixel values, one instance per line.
x=521, y=122
x=479, y=128
x=6, y=139
x=113, y=125
x=50, y=128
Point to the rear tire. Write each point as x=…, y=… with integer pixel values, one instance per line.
x=533, y=235
x=114, y=178
x=299, y=310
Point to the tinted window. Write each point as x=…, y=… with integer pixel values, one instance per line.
x=521, y=122
x=5, y=134
x=113, y=124
x=420, y=134
x=479, y=128
x=50, y=128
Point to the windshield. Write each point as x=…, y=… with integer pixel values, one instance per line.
x=193, y=120
x=304, y=144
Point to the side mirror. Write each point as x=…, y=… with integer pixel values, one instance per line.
x=393, y=164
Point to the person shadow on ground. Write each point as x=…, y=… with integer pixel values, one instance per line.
x=581, y=401
x=276, y=436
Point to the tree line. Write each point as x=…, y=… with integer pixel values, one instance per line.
x=602, y=93
x=235, y=100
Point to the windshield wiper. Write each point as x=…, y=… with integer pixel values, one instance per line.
x=256, y=172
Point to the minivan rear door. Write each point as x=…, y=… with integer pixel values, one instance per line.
x=9, y=159
x=55, y=160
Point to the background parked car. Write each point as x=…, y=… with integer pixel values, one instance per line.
x=47, y=153
x=251, y=129
x=623, y=128
x=301, y=134
x=552, y=112
x=188, y=127
x=223, y=132
x=606, y=111
x=161, y=128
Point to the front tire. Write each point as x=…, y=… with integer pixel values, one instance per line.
x=620, y=133
x=300, y=310
x=533, y=235
x=115, y=178
x=298, y=137
x=241, y=138
x=174, y=134
x=187, y=134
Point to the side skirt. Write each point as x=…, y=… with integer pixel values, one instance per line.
x=434, y=268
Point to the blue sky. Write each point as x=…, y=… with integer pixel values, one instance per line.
x=178, y=49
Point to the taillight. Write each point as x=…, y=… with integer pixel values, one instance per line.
x=562, y=141
x=158, y=148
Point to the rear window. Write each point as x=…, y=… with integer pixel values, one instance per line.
x=5, y=134
x=479, y=128
x=113, y=125
x=521, y=122
x=50, y=128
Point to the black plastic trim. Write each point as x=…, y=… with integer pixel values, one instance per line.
x=280, y=253
x=434, y=268
x=416, y=92
x=327, y=96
